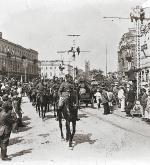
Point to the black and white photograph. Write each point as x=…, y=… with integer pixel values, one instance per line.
x=75, y=82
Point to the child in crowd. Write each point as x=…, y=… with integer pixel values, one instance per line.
x=137, y=109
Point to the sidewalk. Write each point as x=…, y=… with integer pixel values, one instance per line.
x=117, y=111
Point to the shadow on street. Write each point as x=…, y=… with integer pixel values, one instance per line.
x=15, y=140
x=20, y=153
x=83, y=138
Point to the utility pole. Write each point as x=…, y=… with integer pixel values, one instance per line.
x=137, y=16
x=106, y=60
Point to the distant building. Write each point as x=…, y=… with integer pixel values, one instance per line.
x=127, y=53
x=56, y=68
x=15, y=59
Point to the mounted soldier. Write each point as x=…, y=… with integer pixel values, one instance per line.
x=66, y=93
x=55, y=97
x=67, y=108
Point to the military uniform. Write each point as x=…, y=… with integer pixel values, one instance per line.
x=17, y=109
x=6, y=122
x=65, y=92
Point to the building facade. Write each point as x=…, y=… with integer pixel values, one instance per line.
x=56, y=68
x=145, y=54
x=127, y=53
x=17, y=61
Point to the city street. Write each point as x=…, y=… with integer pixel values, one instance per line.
x=99, y=137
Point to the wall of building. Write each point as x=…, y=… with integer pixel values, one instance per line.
x=145, y=55
x=12, y=63
x=127, y=52
x=49, y=69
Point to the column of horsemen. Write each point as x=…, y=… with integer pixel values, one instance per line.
x=11, y=92
x=53, y=95
x=56, y=93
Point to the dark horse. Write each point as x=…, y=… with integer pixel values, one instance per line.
x=41, y=104
x=55, y=102
x=69, y=113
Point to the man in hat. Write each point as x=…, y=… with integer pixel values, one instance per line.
x=66, y=92
x=105, y=100
x=98, y=98
x=121, y=97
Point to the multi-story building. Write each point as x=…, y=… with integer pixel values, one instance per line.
x=145, y=54
x=127, y=53
x=17, y=61
x=56, y=68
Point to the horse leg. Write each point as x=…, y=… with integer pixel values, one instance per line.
x=68, y=132
x=54, y=109
x=39, y=109
x=60, y=125
x=45, y=110
x=42, y=111
x=73, y=133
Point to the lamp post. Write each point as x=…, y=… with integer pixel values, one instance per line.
x=25, y=64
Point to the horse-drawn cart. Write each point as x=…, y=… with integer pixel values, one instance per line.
x=86, y=98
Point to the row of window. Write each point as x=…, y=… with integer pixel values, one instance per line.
x=46, y=74
x=50, y=68
x=4, y=48
x=15, y=66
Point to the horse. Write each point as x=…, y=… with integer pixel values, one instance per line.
x=55, y=102
x=41, y=104
x=69, y=113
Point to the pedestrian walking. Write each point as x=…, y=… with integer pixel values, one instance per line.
x=111, y=99
x=130, y=100
x=143, y=100
x=105, y=101
x=121, y=97
x=98, y=98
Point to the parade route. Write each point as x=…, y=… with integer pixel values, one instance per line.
x=98, y=138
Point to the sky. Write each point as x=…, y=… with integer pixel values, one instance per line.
x=43, y=25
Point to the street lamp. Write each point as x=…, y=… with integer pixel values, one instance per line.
x=25, y=64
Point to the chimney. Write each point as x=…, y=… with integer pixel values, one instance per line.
x=0, y=35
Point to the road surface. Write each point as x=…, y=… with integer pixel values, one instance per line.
x=99, y=139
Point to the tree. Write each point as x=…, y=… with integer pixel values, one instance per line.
x=97, y=74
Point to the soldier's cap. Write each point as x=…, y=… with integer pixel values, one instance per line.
x=5, y=97
x=67, y=76
x=15, y=97
x=103, y=86
x=5, y=106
